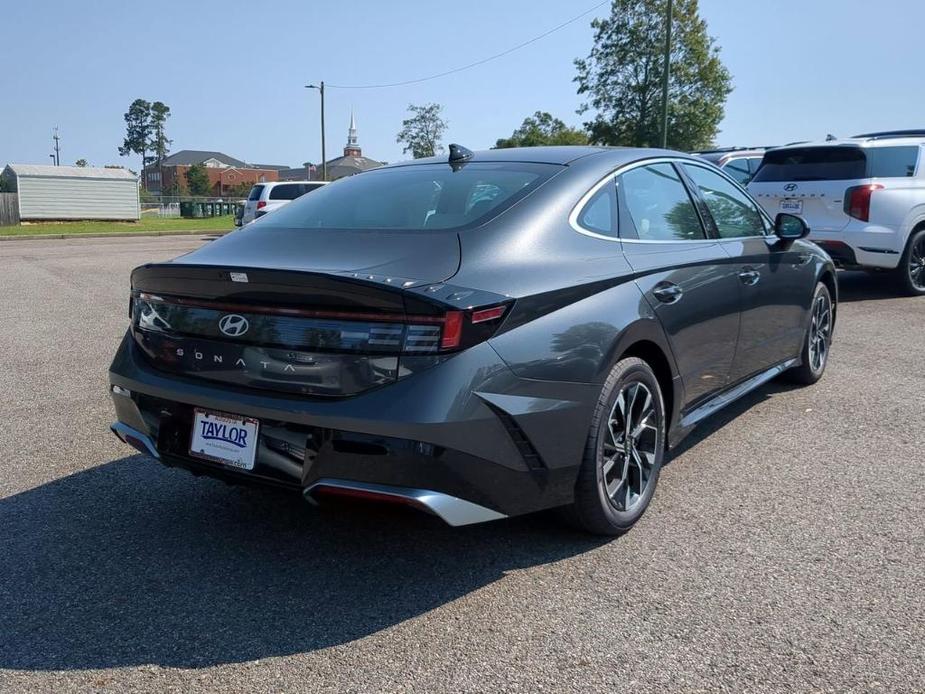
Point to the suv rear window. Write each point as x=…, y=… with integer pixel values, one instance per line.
x=422, y=196
x=837, y=163
x=287, y=191
x=812, y=164
x=255, y=193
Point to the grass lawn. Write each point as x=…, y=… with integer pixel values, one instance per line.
x=144, y=225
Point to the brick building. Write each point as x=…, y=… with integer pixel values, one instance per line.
x=225, y=173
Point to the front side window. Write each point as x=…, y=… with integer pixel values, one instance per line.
x=598, y=213
x=734, y=213
x=415, y=197
x=659, y=205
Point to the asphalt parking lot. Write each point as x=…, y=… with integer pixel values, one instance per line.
x=784, y=551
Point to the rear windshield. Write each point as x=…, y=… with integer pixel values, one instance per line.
x=837, y=163
x=255, y=193
x=425, y=196
x=289, y=191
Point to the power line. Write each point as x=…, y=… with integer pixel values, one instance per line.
x=471, y=65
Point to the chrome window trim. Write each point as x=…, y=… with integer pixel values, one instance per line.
x=580, y=207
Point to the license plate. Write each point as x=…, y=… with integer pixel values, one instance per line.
x=791, y=206
x=224, y=438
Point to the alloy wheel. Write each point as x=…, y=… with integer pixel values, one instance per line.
x=630, y=442
x=917, y=263
x=820, y=332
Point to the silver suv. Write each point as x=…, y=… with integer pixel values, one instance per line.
x=862, y=197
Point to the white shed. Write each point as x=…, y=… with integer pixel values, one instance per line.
x=73, y=192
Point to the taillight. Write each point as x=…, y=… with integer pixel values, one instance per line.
x=452, y=330
x=457, y=329
x=261, y=204
x=857, y=201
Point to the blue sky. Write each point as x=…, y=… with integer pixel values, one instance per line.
x=233, y=72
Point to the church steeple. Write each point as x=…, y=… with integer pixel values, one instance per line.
x=353, y=148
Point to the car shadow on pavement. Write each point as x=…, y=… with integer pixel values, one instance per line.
x=130, y=563
x=864, y=286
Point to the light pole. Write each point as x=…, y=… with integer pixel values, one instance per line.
x=665, y=76
x=324, y=158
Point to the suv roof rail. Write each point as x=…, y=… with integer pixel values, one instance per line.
x=886, y=134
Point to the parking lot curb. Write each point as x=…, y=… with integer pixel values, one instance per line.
x=117, y=234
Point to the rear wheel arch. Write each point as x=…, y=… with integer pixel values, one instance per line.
x=655, y=357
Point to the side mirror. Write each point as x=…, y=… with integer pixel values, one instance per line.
x=789, y=227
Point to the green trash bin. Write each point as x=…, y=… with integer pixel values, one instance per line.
x=209, y=209
x=197, y=210
x=186, y=209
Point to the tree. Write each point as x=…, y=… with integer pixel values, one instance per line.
x=422, y=131
x=622, y=76
x=197, y=180
x=82, y=163
x=137, y=132
x=159, y=144
x=542, y=129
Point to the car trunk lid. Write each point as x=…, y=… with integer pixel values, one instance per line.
x=327, y=315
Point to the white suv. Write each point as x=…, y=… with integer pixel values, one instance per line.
x=266, y=197
x=862, y=197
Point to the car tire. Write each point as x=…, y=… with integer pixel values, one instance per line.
x=616, y=481
x=910, y=274
x=818, y=340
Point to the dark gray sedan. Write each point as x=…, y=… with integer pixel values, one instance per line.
x=478, y=336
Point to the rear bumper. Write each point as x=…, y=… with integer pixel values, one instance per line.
x=864, y=246
x=467, y=431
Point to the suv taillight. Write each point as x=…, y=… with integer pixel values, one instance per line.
x=261, y=204
x=857, y=201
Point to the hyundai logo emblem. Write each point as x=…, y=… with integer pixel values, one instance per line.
x=233, y=325
x=790, y=186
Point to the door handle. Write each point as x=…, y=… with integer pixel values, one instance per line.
x=749, y=276
x=668, y=292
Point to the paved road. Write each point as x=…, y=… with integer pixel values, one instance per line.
x=784, y=551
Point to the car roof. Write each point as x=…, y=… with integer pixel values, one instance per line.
x=284, y=183
x=561, y=155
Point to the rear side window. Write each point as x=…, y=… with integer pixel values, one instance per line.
x=286, y=192
x=659, y=205
x=599, y=212
x=255, y=193
x=415, y=197
x=891, y=162
x=813, y=164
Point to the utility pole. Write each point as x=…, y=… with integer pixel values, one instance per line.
x=665, y=77
x=324, y=158
x=57, y=147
